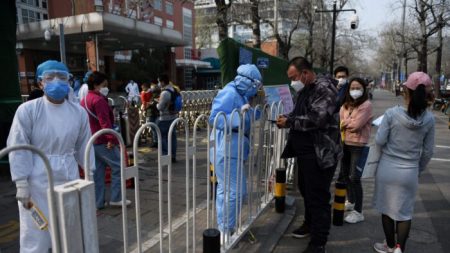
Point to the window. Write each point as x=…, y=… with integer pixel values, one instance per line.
x=169, y=8
x=37, y=3
x=44, y=4
x=45, y=16
x=158, y=21
x=169, y=24
x=157, y=4
x=187, y=25
x=30, y=16
x=187, y=53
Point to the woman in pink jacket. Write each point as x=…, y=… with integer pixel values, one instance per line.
x=355, y=116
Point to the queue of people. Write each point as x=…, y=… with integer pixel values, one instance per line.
x=329, y=125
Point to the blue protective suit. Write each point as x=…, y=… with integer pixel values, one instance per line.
x=233, y=96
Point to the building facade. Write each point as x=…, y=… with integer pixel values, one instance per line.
x=95, y=30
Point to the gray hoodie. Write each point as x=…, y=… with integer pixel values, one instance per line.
x=409, y=140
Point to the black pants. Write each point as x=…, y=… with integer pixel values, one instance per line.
x=351, y=176
x=314, y=185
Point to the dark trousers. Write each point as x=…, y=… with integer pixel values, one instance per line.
x=314, y=185
x=350, y=175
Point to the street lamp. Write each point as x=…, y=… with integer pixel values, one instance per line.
x=354, y=21
x=62, y=45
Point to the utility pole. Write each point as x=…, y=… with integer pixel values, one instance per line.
x=275, y=17
x=62, y=44
x=335, y=11
x=403, y=53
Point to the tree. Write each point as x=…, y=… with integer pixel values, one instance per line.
x=222, y=17
x=431, y=19
x=255, y=23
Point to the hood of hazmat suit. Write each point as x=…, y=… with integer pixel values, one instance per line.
x=232, y=97
x=62, y=132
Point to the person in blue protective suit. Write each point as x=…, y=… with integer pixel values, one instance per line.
x=61, y=130
x=235, y=95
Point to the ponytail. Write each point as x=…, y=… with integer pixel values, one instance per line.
x=417, y=101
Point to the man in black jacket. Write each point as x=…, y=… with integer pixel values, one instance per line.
x=314, y=140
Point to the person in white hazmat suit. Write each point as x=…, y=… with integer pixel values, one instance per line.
x=132, y=89
x=61, y=130
x=235, y=95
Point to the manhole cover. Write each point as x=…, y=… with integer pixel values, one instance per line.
x=421, y=236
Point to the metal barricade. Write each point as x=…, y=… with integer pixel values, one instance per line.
x=126, y=173
x=267, y=141
x=54, y=228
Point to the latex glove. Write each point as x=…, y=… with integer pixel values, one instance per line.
x=23, y=193
x=245, y=107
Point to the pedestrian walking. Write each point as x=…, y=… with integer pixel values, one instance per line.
x=237, y=94
x=355, y=116
x=107, y=151
x=406, y=137
x=314, y=139
x=167, y=114
x=61, y=130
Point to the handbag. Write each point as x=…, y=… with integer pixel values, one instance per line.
x=371, y=164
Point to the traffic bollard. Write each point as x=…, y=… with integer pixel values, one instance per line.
x=280, y=190
x=211, y=240
x=339, y=204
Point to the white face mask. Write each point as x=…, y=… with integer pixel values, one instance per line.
x=355, y=94
x=297, y=85
x=104, y=91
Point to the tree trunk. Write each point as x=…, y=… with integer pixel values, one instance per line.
x=438, y=63
x=255, y=23
x=221, y=19
x=422, y=55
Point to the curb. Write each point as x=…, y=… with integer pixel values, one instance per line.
x=267, y=229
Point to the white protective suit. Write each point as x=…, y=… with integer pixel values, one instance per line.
x=132, y=89
x=61, y=131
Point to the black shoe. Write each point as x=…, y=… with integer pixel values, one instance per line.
x=315, y=249
x=301, y=232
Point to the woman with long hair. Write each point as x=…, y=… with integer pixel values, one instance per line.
x=406, y=138
x=355, y=116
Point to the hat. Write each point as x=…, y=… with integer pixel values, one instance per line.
x=417, y=78
x=50, y=65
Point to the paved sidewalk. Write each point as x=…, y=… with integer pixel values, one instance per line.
x=432, y=210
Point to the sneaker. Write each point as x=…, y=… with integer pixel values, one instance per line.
x=349, y=206
x=119, y=203
x=315, y=249
x=354, y=217
x=381, y=247
x=301, y=232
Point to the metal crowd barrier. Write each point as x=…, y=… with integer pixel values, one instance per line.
x=265, y=146
x=54, y=228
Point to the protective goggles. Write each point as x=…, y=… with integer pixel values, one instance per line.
x=255, y=82
x=50, y=75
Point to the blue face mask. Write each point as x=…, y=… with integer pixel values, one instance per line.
x=56, y=89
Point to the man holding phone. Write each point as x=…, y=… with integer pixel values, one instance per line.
x=314, y=140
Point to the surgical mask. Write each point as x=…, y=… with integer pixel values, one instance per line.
x=355, y=94
x=297, y=85
x=341, y=80
x=104, y=91
x=56, y=89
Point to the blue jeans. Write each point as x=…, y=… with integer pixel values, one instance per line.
x=103, y=157
x=164, y=126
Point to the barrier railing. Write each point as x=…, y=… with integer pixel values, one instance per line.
x=54, y=228
x=253, y=131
